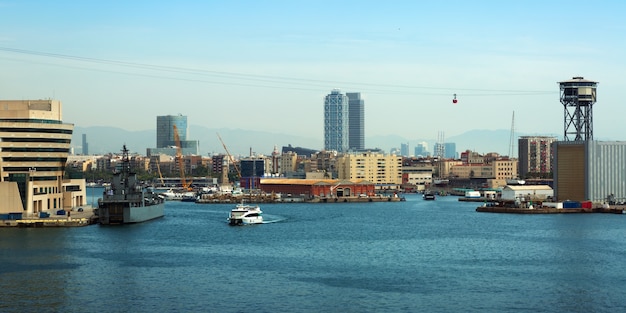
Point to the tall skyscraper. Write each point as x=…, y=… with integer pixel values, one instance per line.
x=336, y=121
x=356, y=133
x=450, y=150
x=85, y=145
x=165, y=129
x=404, y=149
x=166, y=141
x=421, y=149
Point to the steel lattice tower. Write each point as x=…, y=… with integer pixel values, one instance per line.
x=578, y=96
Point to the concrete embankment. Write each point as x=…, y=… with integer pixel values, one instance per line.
x=261, y=199
x=546, y=210
x=75, y=218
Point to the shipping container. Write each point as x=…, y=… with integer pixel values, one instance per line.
x=15, y=216
x=571, y=205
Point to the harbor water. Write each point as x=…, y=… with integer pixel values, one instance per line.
x=413, y=256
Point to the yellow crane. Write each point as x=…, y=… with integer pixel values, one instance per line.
x=158, y=164
x=179, y=158
x=230, y=157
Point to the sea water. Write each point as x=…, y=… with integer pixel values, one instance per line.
x=413, y=256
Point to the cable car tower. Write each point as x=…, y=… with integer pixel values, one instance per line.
x=578, y=96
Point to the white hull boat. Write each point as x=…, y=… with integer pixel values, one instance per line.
x=245, y=214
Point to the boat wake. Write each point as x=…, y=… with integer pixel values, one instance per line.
x=269, y=219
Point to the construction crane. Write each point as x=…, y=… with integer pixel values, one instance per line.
x=230, y=157
x=179, y=158
x=158, y=164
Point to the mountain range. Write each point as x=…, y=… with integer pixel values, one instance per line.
x=103, y=140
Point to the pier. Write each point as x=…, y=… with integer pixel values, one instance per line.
x=548, y=210
x=260, y=198
x=74, y=219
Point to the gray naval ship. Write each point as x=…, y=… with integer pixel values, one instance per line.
x=126, y=201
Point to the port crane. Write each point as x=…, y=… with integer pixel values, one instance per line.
x=179, y=159
x=158, y=164
x=230, y=157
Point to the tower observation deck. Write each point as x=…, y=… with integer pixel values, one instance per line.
x=578, y=96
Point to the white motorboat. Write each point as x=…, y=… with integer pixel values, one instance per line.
x=177, y=195
x=245, y=214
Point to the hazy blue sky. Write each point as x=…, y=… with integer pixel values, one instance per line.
x=268, y=64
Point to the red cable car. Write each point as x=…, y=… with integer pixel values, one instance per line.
x=454, y=100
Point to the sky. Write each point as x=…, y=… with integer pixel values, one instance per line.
x=267, y=65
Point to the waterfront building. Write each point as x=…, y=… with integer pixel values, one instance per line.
x=374, y=167
x=535, y=155
x=491, y=167
x=590, y=170
x=252, y=169
x=527, y=192
x=336, y=121
x=311, y=188
x=420, y=176
x=220, y=165
x=166, y=142
x=356, y=121
x=34, y=147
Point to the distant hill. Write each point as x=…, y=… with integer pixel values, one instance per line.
x=104, y=140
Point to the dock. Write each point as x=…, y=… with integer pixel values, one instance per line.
x=75, y=219
x=207, y=199
x=548, y=210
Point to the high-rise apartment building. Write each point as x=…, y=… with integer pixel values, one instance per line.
x=535, y=154
x=166, y=139
x=356, y=121
x=336, y=121
x=373, y=167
